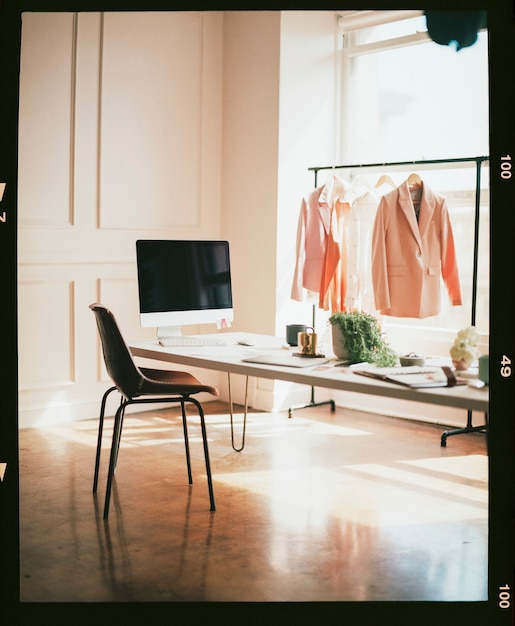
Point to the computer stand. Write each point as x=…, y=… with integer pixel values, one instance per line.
x=312, y=402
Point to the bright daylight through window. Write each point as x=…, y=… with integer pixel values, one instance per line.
x=406, y=98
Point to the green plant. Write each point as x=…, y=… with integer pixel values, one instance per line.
x=363, y=338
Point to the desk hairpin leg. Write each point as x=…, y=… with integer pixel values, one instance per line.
x=468, y=429
x=245, y=409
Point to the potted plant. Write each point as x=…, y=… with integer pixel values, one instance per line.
x=357, y=337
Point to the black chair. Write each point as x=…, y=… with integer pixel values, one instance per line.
x=138, y=385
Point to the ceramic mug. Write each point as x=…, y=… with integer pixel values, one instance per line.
x=292, y=333
x=483, y=373
x=307, y=342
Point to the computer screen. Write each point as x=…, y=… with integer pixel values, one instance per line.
x=183, y=282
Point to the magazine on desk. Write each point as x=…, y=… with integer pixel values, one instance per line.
x=416, y=377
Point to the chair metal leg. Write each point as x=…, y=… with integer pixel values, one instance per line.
x=122, y=405
x=99, y=438
x=117, y=432
x=206, y=452
x=186, y=441
x=117, y=435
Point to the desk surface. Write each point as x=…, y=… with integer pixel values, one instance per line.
x=229, y=359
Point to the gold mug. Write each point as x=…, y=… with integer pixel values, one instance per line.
x=307, y=342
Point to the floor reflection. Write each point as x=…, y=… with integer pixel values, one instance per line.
x=322, y=507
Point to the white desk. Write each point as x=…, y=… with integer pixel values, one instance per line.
x=229, y=359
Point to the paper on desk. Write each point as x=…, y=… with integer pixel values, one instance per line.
x=219, y=351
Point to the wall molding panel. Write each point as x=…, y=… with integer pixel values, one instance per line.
x=120, y=138
x=151, y=120
x=46, y=120
x=46, y=330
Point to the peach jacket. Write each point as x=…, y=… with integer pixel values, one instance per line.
x=320, y=265
x=409, y=257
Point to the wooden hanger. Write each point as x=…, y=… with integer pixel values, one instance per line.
x=385, y=180
x=414, y=180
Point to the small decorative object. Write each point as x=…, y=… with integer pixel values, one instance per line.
x=464, y=349
x=307, y=342
x=357, y=337
x=412, y=359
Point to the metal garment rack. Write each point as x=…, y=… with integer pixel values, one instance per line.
x=478, y=160
x=312, y=401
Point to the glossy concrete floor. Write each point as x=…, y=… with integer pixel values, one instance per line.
x=342, y=506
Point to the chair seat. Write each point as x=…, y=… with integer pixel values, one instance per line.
x=172, y=383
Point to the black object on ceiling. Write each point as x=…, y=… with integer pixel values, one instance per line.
x=455, y=27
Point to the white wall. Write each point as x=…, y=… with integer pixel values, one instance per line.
x=307, y=136
x=250, y=156
x=137, y=125
x=309, y=110
x=120, y=138
x=250, y=176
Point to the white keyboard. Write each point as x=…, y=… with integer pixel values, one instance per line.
x=189, y=341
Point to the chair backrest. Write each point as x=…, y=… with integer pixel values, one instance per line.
x=119, y=362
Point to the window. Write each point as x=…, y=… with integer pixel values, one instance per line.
x=406, y=98
x=422, y=101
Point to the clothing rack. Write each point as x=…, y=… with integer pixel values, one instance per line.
x=478, y=160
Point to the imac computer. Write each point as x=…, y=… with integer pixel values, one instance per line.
x=183, y=282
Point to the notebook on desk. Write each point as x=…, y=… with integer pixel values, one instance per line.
x=286, y=359
x=414, y=376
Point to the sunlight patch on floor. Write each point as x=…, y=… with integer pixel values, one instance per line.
x=422, y=481
x=472, y=466
x=359, y=497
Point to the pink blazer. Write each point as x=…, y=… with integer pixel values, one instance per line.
x=408, y=258
x=312, y=231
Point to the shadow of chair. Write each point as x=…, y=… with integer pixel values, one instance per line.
x=138, y=385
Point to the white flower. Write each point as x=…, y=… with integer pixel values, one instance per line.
x=469, y=334
x=464, y=346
